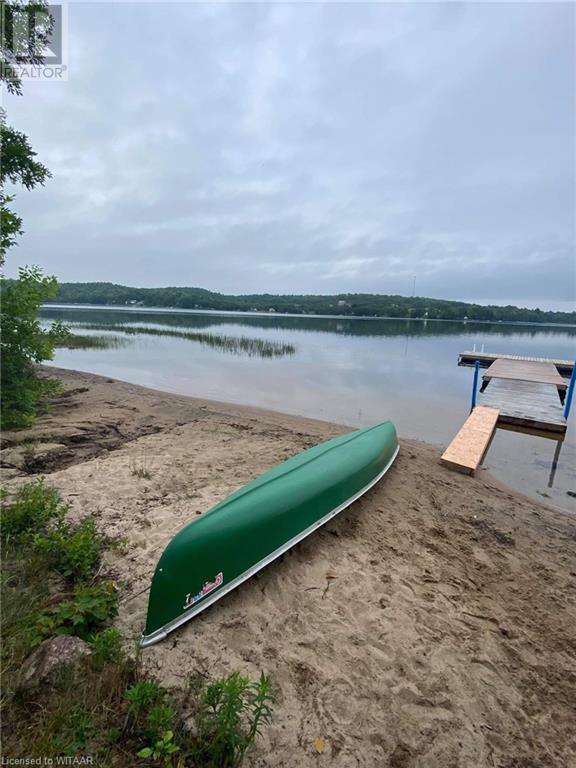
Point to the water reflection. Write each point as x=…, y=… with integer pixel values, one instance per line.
x=352, y=371
x=361, y=326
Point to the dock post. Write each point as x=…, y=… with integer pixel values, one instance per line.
x=570, y=393
x=475, y=384
x=555, y=463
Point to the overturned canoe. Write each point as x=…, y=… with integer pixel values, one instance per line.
x=242, y=534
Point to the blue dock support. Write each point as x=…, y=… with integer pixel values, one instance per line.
x=475, y=384
x=570, y=393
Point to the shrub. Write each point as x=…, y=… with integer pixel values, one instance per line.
x=73, y=552
x=230, y=715
x=25, y=343
x=34, y=507
x=36, y=517
x=88, y=610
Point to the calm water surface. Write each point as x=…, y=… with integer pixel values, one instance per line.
x=352, y=371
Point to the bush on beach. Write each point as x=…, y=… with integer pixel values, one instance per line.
x=33, y=507
x=105, y=705
x=36, y=520
x=25, y=344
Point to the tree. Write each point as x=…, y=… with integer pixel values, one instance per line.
x=17, y=165
x=24, y=342
x=16, y=49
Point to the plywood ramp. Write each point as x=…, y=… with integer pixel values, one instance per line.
x=466, y=451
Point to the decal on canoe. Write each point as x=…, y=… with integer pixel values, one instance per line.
x=208, y=587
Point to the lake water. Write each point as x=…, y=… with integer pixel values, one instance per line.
x=353, y=371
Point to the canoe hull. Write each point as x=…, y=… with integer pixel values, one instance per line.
x=251, y=528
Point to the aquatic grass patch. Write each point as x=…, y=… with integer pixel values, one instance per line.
x=79, y=341
x=236, y=345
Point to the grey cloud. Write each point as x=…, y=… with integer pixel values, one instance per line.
x=310, y=148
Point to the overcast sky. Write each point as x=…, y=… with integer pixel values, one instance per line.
x=310, y=148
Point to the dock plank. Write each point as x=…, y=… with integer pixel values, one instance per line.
x=468, y=448
x=525, y=370
x=526, y=404
x=485, y=359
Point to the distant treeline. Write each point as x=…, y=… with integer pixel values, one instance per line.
x=357, y=304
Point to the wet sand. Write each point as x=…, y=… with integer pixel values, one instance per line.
x=431, y=624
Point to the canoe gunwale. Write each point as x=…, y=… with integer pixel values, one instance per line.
x=160, y=634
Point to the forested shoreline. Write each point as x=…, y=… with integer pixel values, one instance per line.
x=355, y=304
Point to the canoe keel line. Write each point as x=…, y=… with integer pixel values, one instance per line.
x=254, y=526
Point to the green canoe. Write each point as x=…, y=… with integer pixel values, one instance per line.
x=242, y=534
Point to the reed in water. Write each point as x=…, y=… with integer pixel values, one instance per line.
x=237, y=345
x=78, y=341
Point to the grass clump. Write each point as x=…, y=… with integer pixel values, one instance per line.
x=24, y=592
x=140, y=471
x=161, y=718
x=142, y=696
x=107, y=646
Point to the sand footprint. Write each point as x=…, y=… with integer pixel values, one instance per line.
x=338, y=703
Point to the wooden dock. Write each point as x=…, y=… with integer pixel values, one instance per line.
x=531, y=405
x=521, y=370
x=564, y=367
x=526, y=394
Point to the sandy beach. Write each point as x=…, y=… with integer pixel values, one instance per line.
x=432, y=624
